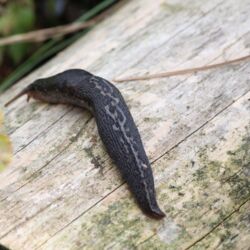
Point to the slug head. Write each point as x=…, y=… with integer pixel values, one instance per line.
x=56, y=89
x=39, y=89
x=46, y=90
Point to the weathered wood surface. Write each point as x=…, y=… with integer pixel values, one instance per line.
x=62, y=191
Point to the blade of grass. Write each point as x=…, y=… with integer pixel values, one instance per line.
x=51, y=48
x=37, y=58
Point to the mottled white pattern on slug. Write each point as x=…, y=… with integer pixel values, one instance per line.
x=119, y=125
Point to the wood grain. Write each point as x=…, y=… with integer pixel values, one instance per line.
x=63, y=192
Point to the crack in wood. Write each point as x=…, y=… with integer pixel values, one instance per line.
x=64, y=220
x=30, y=179
x=76, y=218
x=29, y=218
x=219, y=224
x=203, y=125
x=176, y=145
x=42, y=132
x=209, y=232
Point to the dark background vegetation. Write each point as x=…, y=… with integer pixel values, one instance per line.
x=27, y=15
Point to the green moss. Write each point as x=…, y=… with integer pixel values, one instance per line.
x=114, y=223
x=154, y=245
x=173, y=8
x=230, y=177
x=198, y=212
x=152, y=119
x=233, y=172
x=229, y=234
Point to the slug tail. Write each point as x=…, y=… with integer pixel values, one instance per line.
x=23, y=92
x=156, y=213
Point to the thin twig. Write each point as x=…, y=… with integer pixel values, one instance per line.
x=182, y=71
x=44, y=34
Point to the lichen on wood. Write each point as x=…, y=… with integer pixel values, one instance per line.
x=62, y=190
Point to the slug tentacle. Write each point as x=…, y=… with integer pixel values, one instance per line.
x=23, y=92
x=115, y=124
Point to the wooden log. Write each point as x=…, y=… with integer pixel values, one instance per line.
x=62, y=191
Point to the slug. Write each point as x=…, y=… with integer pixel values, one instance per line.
x=115, y=125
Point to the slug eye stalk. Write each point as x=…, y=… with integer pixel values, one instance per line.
x=23, y=92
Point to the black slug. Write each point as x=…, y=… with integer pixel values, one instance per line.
x=115, y=124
